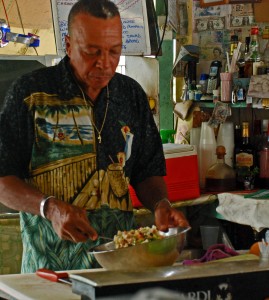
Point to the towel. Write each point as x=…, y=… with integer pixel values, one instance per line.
x=214, y=252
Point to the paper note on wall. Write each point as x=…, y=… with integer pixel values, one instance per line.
x=135, y=31
x=259, y=86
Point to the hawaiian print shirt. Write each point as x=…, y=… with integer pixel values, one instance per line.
x=50, y=135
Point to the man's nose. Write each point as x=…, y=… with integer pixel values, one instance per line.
x=102, y=61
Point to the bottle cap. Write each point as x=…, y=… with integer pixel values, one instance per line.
x=254, y=30
x=234, y=38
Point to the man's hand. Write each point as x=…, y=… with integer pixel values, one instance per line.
x=167, y=217
x=69, y=222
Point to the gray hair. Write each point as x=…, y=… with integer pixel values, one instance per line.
x=103, y=9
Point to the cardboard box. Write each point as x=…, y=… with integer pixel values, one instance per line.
x=182, y=177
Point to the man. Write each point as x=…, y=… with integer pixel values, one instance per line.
x=72, y=138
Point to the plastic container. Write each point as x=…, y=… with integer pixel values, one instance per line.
x=182, y=179
x=203, y=82
x=198, y=93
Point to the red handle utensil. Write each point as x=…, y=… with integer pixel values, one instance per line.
x=54, y=276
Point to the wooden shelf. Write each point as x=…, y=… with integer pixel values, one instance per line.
x=210, y=104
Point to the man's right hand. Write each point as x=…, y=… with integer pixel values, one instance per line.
x=69, y=222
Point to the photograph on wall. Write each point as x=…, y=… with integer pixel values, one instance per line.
x=213, y=44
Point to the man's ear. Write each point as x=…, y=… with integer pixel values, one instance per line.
x=67, y=44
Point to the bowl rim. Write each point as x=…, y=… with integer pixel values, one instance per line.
x=184, y=230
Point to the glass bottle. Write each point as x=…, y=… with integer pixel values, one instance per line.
x=220, y=177
x=244, y=158
x=254, y=52
x=233, y=44
x=247, y=42
x=237, y=141
x=265, y=36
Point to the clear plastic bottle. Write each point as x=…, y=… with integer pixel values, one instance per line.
x=220, y=177
x=198, y=93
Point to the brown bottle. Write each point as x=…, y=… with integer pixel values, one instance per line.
x=220, y=177
x=244, y=157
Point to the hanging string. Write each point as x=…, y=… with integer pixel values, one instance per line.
x=5, y=13
x=19, y=13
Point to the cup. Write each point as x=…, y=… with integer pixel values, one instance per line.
x=226, y=139
x=207, y=151
x=117, y=179
x=195, y=134
x=210, y=235
x=226, y=83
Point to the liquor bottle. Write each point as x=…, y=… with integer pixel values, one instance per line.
x=237, y=141
x=253, y=55
x=247, y=42
x=233, y=44
x=241, y=63
x=244, y=158
x=220, y=177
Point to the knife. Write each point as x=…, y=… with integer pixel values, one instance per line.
x=54, y=276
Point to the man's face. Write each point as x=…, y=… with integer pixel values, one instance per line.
x=94, y=48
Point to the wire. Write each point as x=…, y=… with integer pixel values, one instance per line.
x=164, y=28
x=6, y=13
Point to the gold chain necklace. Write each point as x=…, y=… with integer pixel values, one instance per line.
x=99, y=132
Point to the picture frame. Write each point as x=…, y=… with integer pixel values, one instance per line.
x=243, y=1
x=206, y=3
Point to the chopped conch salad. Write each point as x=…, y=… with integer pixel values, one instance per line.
x=133, y=237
